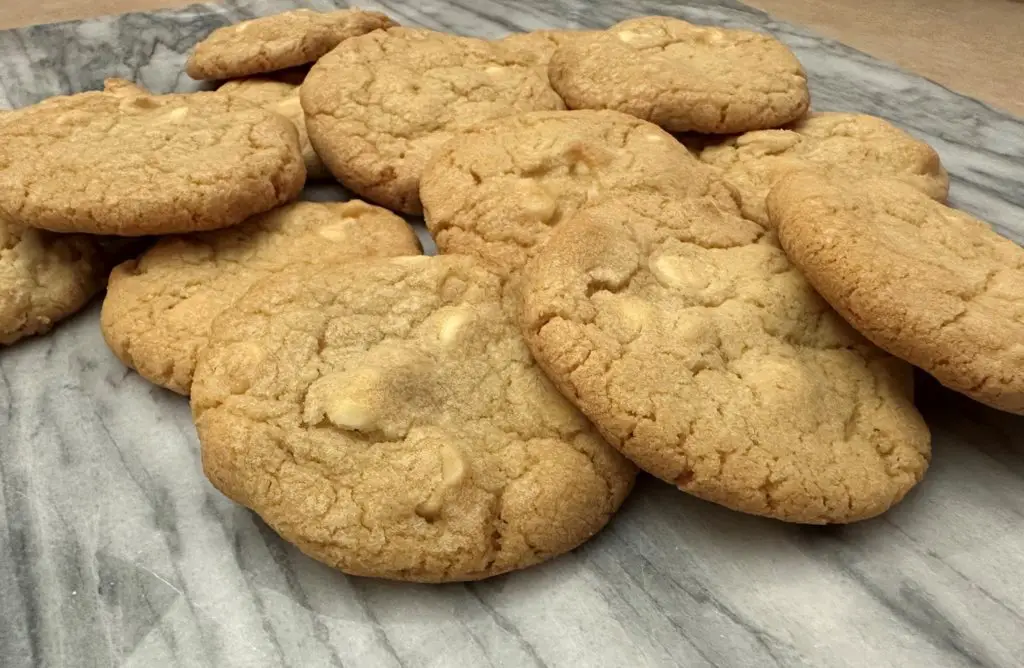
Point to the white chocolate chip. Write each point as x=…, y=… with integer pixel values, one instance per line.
x=453, y=472
x=175, y=115
x=452, y=325
x=352, y=415
x=289, y=106
x=338, y=231
x=349, y=400
x=627, y=35
x=537, y=202
x=666, y=270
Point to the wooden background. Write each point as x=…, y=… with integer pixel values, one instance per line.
x=975, y=47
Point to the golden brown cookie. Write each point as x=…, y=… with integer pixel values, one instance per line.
x=930, y=284
x=280, y=97
x=378, y=106
x=854, y=145
x=698, y=350
x=682, y=76
x=497, y=190
x=44, y=278
x=386, y=417
x=277, y=42
x=158, y=310
x=104, y=163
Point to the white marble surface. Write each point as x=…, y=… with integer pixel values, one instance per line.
x=114, y=550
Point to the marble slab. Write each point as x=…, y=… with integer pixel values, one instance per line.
x=114, y=550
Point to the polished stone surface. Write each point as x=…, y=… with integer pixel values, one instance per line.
x=114, y=550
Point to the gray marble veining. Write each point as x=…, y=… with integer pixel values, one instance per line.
x=114, y=550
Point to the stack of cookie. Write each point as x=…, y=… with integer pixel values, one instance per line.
x=730, y=308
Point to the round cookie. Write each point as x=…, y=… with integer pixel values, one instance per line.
x=855, y=145
x=280, y=97
x=44, y=277
x=698, y=350
x=278, y=42
x=497, y=190
x=159, y=308
x=106, y=163
x=928, y=283
x=682, y=76
x=378, y=106
x=386, y=417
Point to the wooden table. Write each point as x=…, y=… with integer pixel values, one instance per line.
x=975, y=47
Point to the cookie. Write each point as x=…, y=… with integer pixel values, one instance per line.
x=44, y=278
x=278, y=42
x=854, y=145
x=497, y=190
x=280, y=97
x=682, y=76
x=386, y=417
x=930, y=284
x=378, y=106
x=104, y=163
x=683, y=332
x=158, y=310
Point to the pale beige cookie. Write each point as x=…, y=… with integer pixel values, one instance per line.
x=684, y=333
x=682, y=76
x=930, y=284
x=104, y=163
x=497, y=190
x=378, y=106
x=277, y=42
x=44, y=278
x=280, y=97
x=158, y=310
x=850, y=145
x=387, y=418
x=537, y=46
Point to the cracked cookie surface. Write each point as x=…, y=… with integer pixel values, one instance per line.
x=380, y=105
x=538, y=46
x=683, y=77
x=500, y=188
x=854, y=145
x=387, y=418
x=281, y=97
x=158, y=309
x=928, y=283
x=44, y=278
x=277, y=42
x=131, y=165
x=693, y=344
